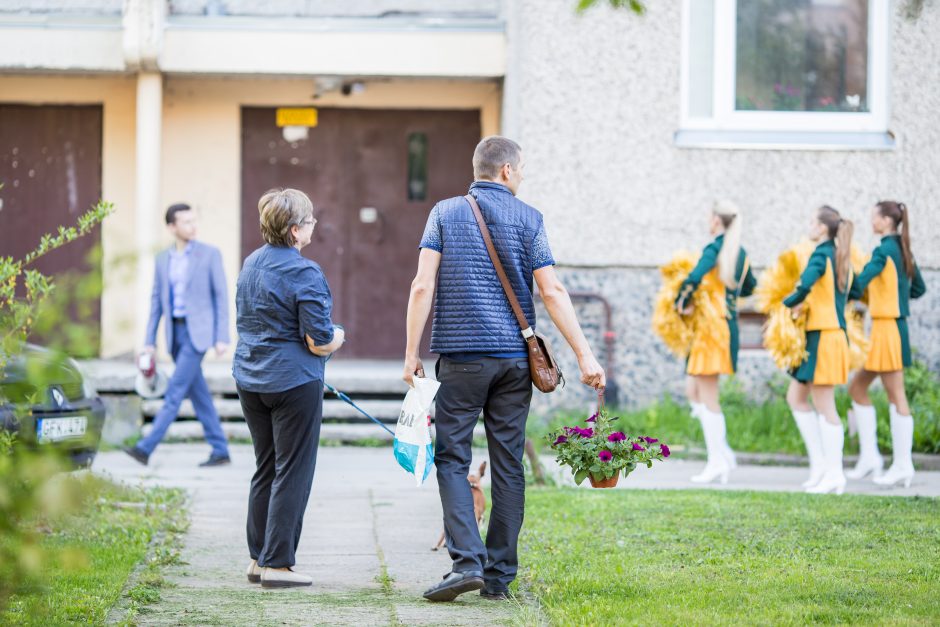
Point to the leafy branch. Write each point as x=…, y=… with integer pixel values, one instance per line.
x=637, y=6
x=18, y=313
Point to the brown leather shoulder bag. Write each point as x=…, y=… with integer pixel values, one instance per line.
x=542, y=366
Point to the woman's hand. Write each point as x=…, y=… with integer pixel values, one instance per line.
x=797, y=311
x=339, y=336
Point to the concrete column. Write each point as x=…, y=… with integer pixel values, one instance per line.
x=511, y=117
x=149, y=128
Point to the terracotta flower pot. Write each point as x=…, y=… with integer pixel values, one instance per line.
x=604, y=483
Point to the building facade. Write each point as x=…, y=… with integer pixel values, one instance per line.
x=631, y=127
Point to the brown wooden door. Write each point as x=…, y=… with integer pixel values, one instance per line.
x=373, y=176
x=50, y=167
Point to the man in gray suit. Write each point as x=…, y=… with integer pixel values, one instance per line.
x=189, y=289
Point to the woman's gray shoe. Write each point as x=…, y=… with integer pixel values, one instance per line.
x=455, y=584
x=254, y=572
x=276, y=578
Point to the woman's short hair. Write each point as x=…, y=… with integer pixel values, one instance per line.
x=281, y=209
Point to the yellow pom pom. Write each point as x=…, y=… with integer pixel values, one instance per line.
x=674, y=329
x=778, y=281
x=709, y=313
x=785, y=338
x=858, y=342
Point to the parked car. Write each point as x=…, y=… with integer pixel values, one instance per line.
x=68, y=415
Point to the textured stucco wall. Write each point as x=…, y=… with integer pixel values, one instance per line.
x=598, y=104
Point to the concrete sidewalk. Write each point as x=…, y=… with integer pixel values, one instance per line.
x=366, y=542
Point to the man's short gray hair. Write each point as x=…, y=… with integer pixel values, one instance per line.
x=492, y=153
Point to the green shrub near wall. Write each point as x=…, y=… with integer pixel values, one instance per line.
x=766, y=426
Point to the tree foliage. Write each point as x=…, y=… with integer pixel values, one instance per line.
x=637, y=6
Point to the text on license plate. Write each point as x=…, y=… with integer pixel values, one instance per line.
x=55, y=429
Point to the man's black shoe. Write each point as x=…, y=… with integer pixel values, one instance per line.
x=137, y=454
x=217, y=460
x=494, y=595
x=454, y=585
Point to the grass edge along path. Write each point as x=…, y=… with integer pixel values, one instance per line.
x=120, y=532
x=706, y=557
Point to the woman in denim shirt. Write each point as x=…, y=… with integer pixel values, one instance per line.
x=285, y=335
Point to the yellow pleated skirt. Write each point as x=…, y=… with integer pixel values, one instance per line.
x=887, y=352
x=708, y=357
x=827, y=361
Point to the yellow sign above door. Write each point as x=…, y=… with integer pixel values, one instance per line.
x=296, y=116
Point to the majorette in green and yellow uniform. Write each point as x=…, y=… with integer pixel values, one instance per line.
x=889, y=293
x=827, y=345
x=714, y=348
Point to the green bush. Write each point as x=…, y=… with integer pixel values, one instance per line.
x=766, y=426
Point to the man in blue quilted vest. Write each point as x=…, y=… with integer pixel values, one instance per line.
x=483, y=364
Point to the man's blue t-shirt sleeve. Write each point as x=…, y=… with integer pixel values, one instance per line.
x=432, y=237
x=541, y=251
x=315, y=306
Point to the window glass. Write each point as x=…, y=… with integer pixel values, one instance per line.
x=802, y=55
x=417, y=166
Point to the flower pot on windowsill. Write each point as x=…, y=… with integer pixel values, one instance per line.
x=610, y=482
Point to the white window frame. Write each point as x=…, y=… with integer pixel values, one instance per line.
x=724, y=116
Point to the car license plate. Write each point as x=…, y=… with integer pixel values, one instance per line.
x=65, y=428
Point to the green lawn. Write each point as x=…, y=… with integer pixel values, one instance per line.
x=89, y=555
x=606, y=557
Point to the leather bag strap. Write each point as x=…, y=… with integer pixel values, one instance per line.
x=524, y=325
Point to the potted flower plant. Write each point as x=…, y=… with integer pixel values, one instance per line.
x=601, y=454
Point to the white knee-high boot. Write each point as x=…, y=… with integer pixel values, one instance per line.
x=726, y=450
x=869, y=459
x=833, y=439
x=717, y=466
x=808, y=424
x=902, y=441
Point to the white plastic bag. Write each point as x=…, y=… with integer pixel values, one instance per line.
x=413, y=447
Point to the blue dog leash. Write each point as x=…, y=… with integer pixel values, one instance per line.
x=341, y=396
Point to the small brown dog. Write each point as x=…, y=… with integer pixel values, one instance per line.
x=479, y=500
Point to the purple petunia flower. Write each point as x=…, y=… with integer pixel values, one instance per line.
x=593, y=418
x=664, y=449
x=637, y=447
x=605, y=456
x=584, y=433
x=650, y=440
x=616, y=436
x=560, y=440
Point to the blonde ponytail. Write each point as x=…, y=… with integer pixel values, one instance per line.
x=730, y=217
x=844, y=253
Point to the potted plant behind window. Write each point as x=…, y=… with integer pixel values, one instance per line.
x=599, y=453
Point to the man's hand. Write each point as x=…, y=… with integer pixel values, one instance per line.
x=220, y=348
x=413, y=367
x=148, y=349
x=592, y=374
